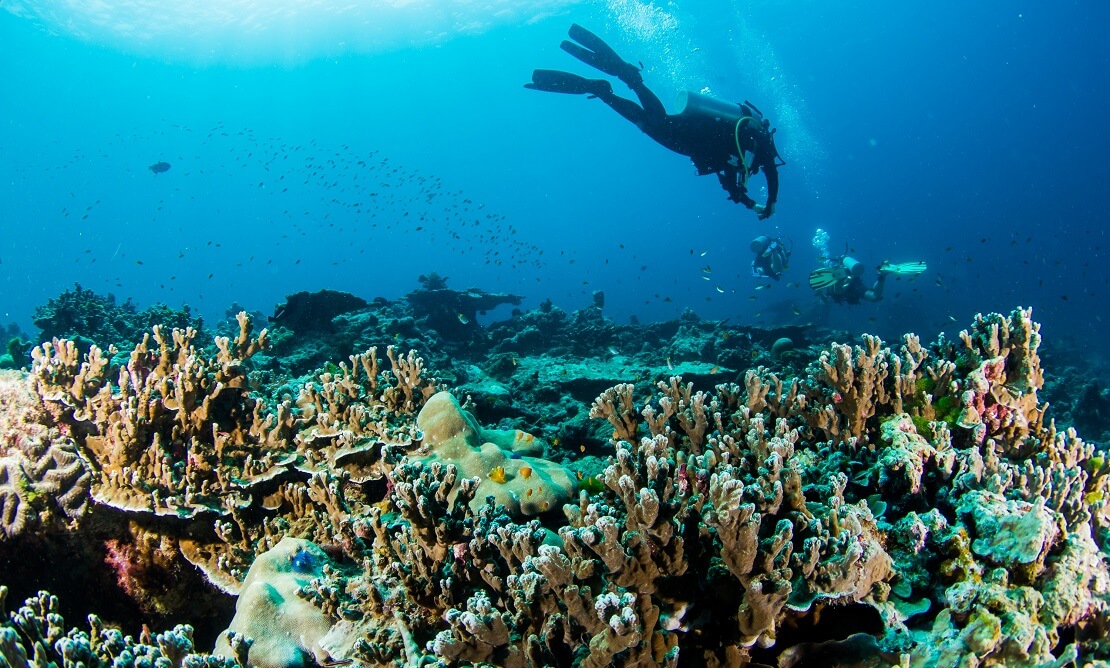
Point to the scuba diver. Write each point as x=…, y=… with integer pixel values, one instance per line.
x=771, y=257
x=733, y=141
x=842, y=281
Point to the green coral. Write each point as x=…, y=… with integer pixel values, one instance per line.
x=922, y=425
x=948, y=409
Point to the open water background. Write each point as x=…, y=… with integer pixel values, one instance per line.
x=318, y=145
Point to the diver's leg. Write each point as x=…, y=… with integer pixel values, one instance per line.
x=596, y=53
x=650, y=101
x=627, y=108
x=554, y=81
x=875, y=294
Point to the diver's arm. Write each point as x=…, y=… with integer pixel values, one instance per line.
x=875, y=294
x=736, y=192
x=771, y=171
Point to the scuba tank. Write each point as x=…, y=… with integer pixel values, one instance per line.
x=739, y=118
x=854, y=267
x=760, y=244
x=693, y=104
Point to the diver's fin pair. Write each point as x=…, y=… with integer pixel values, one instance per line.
x=597, y=54
x=826, y=277
x=554, y=81
x=903, y=268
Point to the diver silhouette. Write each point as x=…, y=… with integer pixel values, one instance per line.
x=733, y=141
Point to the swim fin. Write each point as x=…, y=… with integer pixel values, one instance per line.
x=554, y=81
x=826, y=277
x=596, y=53
x=903, y=268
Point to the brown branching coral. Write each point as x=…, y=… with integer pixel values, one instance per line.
x=616, y=406
x=179, y=434
x=346, y=417
x=169, y=437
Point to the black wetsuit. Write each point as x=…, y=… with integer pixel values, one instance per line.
x=771, y=262
x=854, y=291
x=710, y=143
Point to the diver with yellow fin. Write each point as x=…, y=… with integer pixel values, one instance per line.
x=733, y=141
x=842, y=281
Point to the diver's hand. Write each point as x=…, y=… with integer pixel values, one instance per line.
x=764, y=212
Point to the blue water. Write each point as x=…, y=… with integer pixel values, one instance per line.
x=355, y=149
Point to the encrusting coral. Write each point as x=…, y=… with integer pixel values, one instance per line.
x=920, y=490
x=524, y=485
x=286, y=629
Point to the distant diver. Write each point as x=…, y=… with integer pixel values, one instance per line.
x=159, y=167
x=733, y=141
x=772, y=257
x=842, y=281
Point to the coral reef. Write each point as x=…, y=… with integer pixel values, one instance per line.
x=86, y=317
x=309, y=312
x=910, y=505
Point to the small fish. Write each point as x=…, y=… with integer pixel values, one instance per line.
x=762, y=286
x=796, y=311
x=159, y=167
x=463, y=319
x=714, y=370
x=720, y=290
x=670, y=366
x=591, y=484
x=613, y=351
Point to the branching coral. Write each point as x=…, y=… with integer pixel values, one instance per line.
x=35, y=634
x=179, y=434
